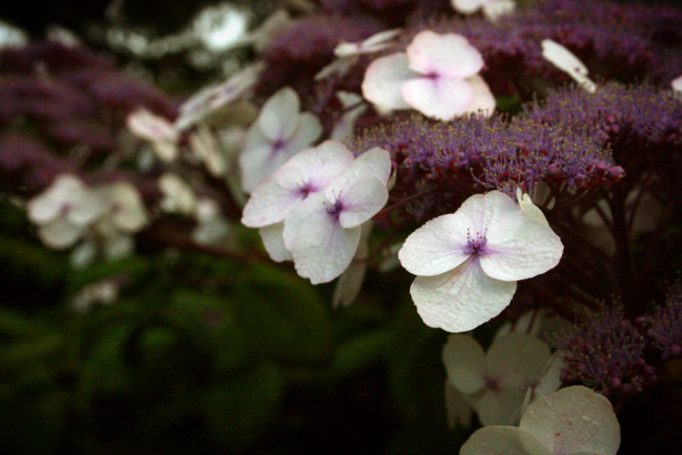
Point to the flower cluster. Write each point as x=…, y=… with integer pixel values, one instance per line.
x=665, y=325
x=605, y=351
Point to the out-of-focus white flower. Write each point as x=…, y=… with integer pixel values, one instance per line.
x=280, y=131
x=499, y=378
x=178, y=196
x=157, y=130
x=64, y=211
x=549, y=381
x=215, y=97
x=212, y=228
x=467, y=263
x=103, y=292
x=492, y=9
x=206, y=148
x=123, y=206
x=350, y=282
x=347, y=54
x=457, y=407
x=574, y=420
x=567, y=62
x=437, y=76
x=676, y=84
x=354, y=108
x=273, y=201
x=323, y=232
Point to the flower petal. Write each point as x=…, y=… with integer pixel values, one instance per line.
x=464, y=362
x=549, y=381
x=362, y=201
x=498, y=439
x=574, y=419
x=279, y=115
x=59, y=233
x=436, y=247
x=456, y=407
x=308, y=129
x=484, y=102
x=462, y=299
x=494, y=9
x=567, y=62
x=499, y=407
x=383, y=81
x=448, y=54
x=273, y=240
x=47, y=205
x=350, y=282
x=441, y=98
x=516, y=360
x=467, y=6
x=321, y=248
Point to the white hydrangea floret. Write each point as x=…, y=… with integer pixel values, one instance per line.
x=492, y=9
x=324, y=231
x=571, y=421
x=467, y=263
x=437, y=76
x=280, y=131
x=157, y=130
x=676, y=84
x=495, y=382
x=64, y=211
x=567, y=62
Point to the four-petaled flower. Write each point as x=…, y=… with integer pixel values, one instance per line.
x=468, y=262
x=574, y=420
x=280, y=131
x=64, y=211
x=438, y=76
x=495, y=383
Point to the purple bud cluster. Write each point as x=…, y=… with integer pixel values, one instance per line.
x=605, y=351
x=474, y=154
x=640, y=117
x=665, y=325
x=614, y=40
x=58, y=100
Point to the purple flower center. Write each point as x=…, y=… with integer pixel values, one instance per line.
x=335, y=210
x=432, y=75
x=306, y=188
x=492, y=383
x=278, y=145
x=476, y=245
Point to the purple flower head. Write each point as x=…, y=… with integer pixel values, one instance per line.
x=468, y=155
x=665, y=327
x=605, y=351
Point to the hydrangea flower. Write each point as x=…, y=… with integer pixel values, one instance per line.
x=64, y=211
x=467, y=263
x=437, y=76
x=495, y=382
x=574, y=420
x=178, y=197
x=676, y=84
x=323, y=233
x=280, y=131
x=157, y=130
x=303, y=175
x=123, y=207
x=567, y=62
x=492, y=9
x=205, y=147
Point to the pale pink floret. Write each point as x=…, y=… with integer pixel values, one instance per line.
x=467, y=263
x=437, y=76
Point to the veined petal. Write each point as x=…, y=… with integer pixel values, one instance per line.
x=254, y=159
x=464, y=362
x=498, y=439
x=442, y=98
x=273, y=240
x=374, y=163
x=499, y=407
x=516, y=361
x=362, y=201
x=448, y=54
x=270, y=203
x=484, y=101
x=321, y=248
x=462, y=299
x=436, y=247
x=383, y=82
x=573, y=420
x=519, y=247
x=279, y=115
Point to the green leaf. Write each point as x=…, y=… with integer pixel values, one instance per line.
x=238, y=409
x=283, y=317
